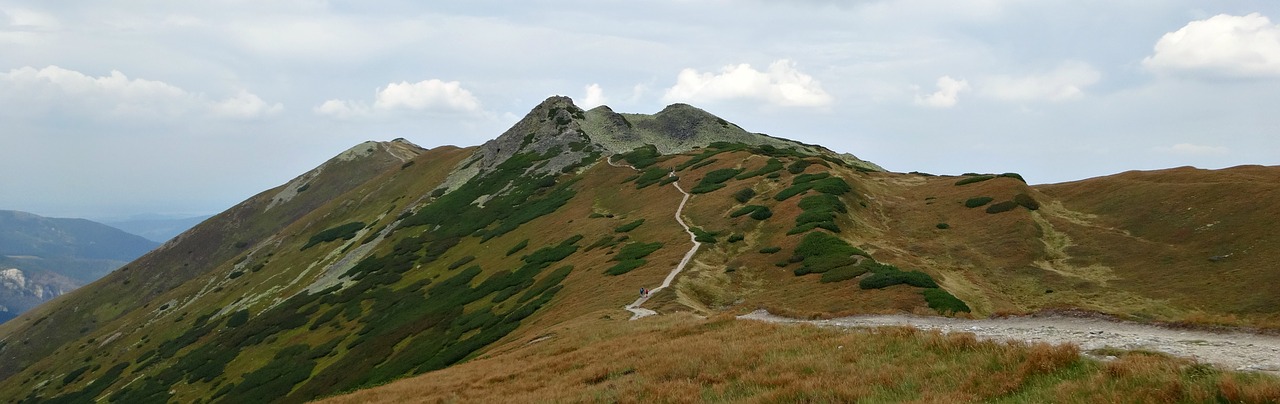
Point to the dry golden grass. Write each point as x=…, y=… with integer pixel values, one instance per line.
x=679, y=358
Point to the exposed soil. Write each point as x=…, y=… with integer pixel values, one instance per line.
x=1231, y=350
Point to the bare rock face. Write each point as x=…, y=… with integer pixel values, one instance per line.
x=20, y=291
x=554, y=128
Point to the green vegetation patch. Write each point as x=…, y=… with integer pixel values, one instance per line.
x=461, y=261
x=889, y=275
x=819, y=211
x=757, y=212
x=974, y=179
x=715, y=180
x=822, y=252
x=629, y=226
x=770, y=166
x=944, y=303
x=798, y=166
x=1015, y=176
x=821, y=182
x=345, y=231
x=650, y=176
x=770, y=250
x=1002, y=207
x=977, y=201
x=631, y=256
x=642, y=156
x=519, y=246
x=744, y=195
x=703, y=236
x=1026, y=201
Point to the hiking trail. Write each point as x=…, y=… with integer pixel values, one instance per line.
x=1232, y=350
x=634, y=307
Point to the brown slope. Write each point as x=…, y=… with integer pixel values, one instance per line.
x=1202, y=240
x=191, y=254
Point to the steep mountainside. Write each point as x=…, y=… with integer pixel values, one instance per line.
x=42, y=258
x=390, y=260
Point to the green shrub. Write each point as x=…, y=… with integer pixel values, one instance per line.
x=821, y=182
x=606, y=240
x=1026, y=201
x=461, y=261
x=547, y=282
x=346, y=232
x=762, y=213
x=650, y=176
x=746, y=210
x=770, y=250
x=736, y=237
x=624, y=266
x=636, y=251
x=798, y=166
x=703, y=236
x=715, y=180
x=519, y=246
x=629, y=226
x=770, y=166
x=974, y=179
x=977, y=201
x=238, y=318
x=942, y=226
x=744, y=195
x=815, y=244
x=1002, y=207
x=894, y=276
x=944, y=303
x=842, y=273
x=1015, y=176
x=642, y=157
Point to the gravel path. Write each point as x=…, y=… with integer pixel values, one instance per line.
x=1237, y=351
x=634, y=307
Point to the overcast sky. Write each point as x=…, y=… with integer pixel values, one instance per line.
x=188, y=107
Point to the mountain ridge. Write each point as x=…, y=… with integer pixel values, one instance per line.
x=390, y=260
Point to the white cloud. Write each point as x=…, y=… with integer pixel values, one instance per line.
x=594, y=98
x=56, y=88
x=30, y=20
x=782, y=84
x=1241, y=46
x=947, y=95
x=246, y=105
x=1195, y=149
x=1067, y=82
x=428, y=95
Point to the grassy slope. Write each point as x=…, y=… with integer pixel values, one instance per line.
x=604, y=358
x=990, y=261
x=1190, y=238
x=126, y=325
x=167, y=271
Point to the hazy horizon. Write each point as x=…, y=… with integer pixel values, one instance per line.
x=128, y=108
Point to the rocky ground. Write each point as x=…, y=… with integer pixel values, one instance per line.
x=1235, y=350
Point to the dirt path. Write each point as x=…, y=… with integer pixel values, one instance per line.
x=634, y=307
x=1236, y=351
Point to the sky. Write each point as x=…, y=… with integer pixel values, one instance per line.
x=111, y=109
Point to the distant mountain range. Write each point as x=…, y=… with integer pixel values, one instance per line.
x=42, y=258
x=157, y=228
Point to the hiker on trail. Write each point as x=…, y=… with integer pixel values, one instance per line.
x=641, y=292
